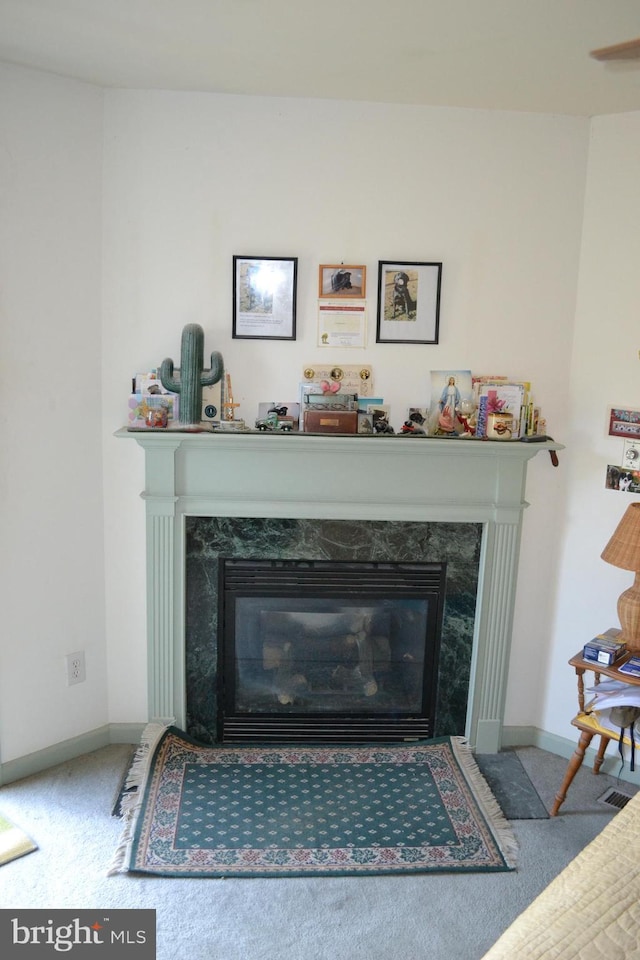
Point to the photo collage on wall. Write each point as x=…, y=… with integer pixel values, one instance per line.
x=625, y=476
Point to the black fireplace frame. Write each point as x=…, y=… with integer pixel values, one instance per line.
x=343, y=581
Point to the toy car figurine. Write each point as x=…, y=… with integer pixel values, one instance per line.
x=273, y=422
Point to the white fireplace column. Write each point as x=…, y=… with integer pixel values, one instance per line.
x=335, y=477
x=161, y=574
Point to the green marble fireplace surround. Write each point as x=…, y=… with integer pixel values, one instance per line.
x=300, y=496
x=457, y=545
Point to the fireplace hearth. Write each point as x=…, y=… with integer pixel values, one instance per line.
x=328, y=651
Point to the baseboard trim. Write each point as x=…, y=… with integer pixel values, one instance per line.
x=563, y=747
x=512, y=736
x=519, y=736
x=58, y=753
x=125, y=732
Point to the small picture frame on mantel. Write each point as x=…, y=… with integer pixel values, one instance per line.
x=408, y=302
x=264, y=298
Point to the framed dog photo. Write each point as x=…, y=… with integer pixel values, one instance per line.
x=264, y=298
x=408, y=302
x=341, y=280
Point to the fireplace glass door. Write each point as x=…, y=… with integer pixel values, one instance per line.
x=329, y=651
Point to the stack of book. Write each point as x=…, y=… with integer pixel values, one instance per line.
x=502, y=395
x=605, y=648
x=631, y=667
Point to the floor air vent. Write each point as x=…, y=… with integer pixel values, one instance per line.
x=614, y=798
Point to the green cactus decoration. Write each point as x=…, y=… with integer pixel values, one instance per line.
x=192, y=377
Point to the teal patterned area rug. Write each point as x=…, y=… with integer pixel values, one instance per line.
x=194, y=810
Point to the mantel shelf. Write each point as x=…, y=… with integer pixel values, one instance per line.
x=302, y=443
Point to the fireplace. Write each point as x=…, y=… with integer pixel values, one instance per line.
x=328, y=651
x=257, y=483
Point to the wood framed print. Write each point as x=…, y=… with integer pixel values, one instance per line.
x=264, y=298
x=408, y=302
x=341, y=280
x=624, y=423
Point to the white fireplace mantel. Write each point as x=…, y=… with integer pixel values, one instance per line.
x=335, y=477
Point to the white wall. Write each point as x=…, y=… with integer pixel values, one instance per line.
x=51, y=524
x=186, y=181
x=191, y=179
x=605, y=372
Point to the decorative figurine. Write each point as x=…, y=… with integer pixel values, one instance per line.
x=467, y=417
x=333, y=387
x=192, y=378
x=228, y=405
x=411, y=428
x=414, y=424
x=272, y=421
x=381, y=423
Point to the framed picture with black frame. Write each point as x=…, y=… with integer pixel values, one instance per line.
x=408, y=302
x=264, y=298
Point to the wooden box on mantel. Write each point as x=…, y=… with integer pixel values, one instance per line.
x=331, y=421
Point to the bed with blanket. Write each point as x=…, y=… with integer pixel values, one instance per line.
x=590, y=911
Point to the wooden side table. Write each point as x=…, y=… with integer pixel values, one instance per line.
x=587, y=723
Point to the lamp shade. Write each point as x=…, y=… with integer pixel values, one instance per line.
x=623, y=550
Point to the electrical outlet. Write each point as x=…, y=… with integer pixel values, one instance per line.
x=76, y=668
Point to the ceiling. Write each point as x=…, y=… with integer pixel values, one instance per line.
x=528, y=55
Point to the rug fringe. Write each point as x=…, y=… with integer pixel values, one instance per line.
x=486, y=801
x=132, y=801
